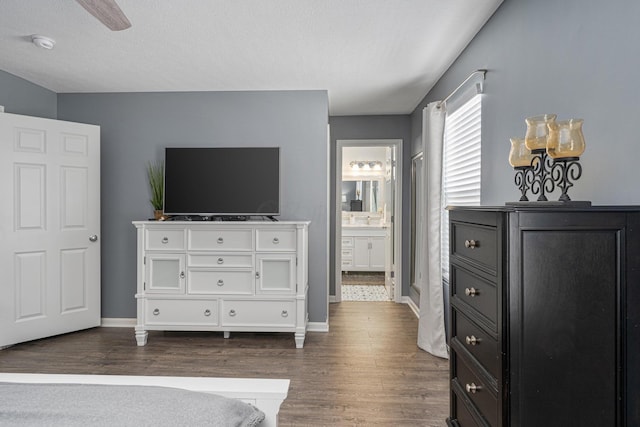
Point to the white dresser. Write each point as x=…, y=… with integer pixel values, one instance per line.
x=222, y=276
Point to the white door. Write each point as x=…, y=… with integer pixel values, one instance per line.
x=276, y=274
x=165, y=273
x=377, y=253
x=49, y=227
x=361, y=253
x=390, y=205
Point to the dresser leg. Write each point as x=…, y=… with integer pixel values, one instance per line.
x=141, y=337
x=227, y=334
x=299, y=337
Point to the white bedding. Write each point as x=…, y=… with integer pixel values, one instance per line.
x=265, y=394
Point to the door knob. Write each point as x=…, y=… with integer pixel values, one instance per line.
x=472, y=340
x=471, y=244
x=472, y=388
x=93, y=238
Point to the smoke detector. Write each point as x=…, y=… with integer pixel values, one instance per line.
x=43, y=42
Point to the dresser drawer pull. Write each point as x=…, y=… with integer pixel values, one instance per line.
x=220, y=282
x=471, y=340
x=276, y=240
x=207, y=312
x=232, y=313
x=220, y=260
x=220, y=240
x=472, y=388
x=165, y=240
x=285, y=313
x=156, y=312
x=471, y=292
x=471, y=244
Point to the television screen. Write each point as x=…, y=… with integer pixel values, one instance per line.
x=222, y=181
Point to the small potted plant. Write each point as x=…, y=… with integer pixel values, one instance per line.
x=155, y=174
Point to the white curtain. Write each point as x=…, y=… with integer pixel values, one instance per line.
x=431, y=332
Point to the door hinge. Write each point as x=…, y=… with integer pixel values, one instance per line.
x=144, y=286
x=144, y=260
x=392, y=274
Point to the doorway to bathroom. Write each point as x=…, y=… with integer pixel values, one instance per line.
x=368, y=213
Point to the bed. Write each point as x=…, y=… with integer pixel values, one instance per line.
x=189, y=399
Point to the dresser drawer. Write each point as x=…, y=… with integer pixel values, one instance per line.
x=220, y=240
x=181, y=312
x=164, y=240
x=258, y=313
x=479, y=294
x=479, y=343
x=476, y=243
x=205, y=281
x=462, y=413
x=220, y=260
x=347, y=242
x=275, y=240
x=484, y=400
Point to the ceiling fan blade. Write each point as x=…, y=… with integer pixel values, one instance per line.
x=107, y=12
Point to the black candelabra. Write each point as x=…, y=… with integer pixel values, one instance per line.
x=545, y=174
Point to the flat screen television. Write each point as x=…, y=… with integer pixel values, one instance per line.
x=216, y=181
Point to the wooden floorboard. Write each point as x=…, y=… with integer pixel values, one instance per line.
x=366, y=371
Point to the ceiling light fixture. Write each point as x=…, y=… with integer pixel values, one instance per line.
x=366, y=165
x=43, y=42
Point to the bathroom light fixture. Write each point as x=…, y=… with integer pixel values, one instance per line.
x=43, y=41
x=366, y=165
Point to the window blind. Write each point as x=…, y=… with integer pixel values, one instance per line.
x=460, y=165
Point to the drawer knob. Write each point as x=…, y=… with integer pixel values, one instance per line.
x=285, y=313
x=165, y=240
x=257, y=274
x=471, y=244
x=156, y=312
x=276, y=240
x=207, y=312
x=471, y=292
x=471, y=340
x=220, y=260
x=220, y=282
x=182, y=274
x=232, y=313
x=472, y=388
x=220, y=240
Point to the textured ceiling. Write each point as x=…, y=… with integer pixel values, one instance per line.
x=372, y=56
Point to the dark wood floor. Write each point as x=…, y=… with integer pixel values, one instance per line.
x=367, y=371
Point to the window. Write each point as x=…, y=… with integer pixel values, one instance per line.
x=460, y=165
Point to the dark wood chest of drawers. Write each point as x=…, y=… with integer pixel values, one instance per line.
x=545, y=316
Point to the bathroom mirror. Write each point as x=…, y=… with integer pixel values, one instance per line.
x=366, y=191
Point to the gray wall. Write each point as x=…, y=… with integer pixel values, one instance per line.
x=574, y=58
x=20, y=96
x=135, y=128
x=373, y=127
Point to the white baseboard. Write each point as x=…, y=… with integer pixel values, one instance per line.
x=412, y=305
x=114, y=322
x=318, y=327
x=332, y=298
